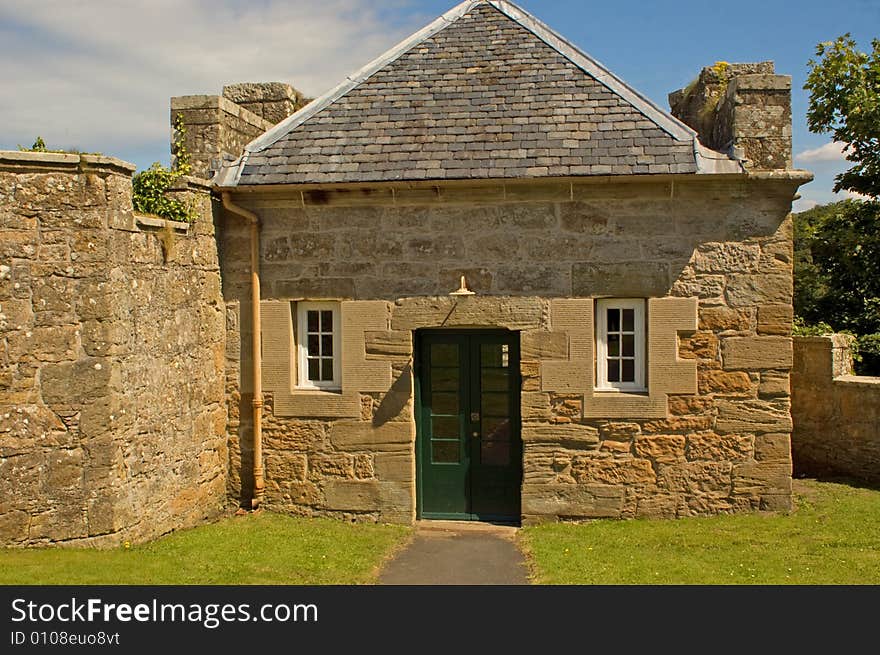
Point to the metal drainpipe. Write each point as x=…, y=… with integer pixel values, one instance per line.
x=254, y=221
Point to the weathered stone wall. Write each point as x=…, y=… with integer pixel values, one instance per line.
x=713, y=435
x=215, y=127
x=836, y=414
x=743, y=109
x=112, y=416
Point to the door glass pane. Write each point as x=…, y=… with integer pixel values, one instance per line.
x=614, y=370
x=495, y=379
x=444, y=379
x=444, y=403
x=496, y=404
x=496, y=429
x=614, y=345
x=495, y=453
x=312, y=320
x=444, y=354
x=326, y=369
x=313, y=345
x=614, y=320
x=327, y=345
x=629, y=370
x=445, y=452
x=629, y=345
x=629, y=320
x=445, y=427
x=494, y=354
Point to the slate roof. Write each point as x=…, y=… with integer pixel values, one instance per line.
x=486, y=91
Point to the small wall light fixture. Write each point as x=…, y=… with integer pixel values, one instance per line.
x=463, y=289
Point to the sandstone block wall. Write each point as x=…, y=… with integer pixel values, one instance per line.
x=836, y=414
x=112, y=413
x=712, y=436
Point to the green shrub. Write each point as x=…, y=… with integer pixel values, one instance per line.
x=149, y=187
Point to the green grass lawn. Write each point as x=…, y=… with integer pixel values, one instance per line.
x=261, y=548
x=833, y=537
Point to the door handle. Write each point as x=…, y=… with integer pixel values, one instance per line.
x=475, y=417
x=475, y=435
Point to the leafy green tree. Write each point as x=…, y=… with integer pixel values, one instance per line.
x=844, y=86
x=837, y=272
x=837, y=246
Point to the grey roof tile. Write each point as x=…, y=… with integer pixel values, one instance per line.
x=486, y=95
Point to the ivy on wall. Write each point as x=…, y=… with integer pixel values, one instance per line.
x=149, y=187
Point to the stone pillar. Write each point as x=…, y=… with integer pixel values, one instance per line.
x=272, y=101
x=215, y=127
x=741, y=109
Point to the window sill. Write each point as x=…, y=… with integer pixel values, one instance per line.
x=317, y=390
x=611, y=391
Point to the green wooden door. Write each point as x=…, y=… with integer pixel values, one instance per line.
x=467, y=409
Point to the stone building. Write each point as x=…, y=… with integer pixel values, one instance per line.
x=497, y=282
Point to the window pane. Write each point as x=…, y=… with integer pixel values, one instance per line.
x=445, y=427
x=614, y=370
x=614, y=345
x=614, y=320
x=326, y=321
x=629, y=370
x=629, y=320
x=313, y=345
x=495, y=453
x=327, y=369
x=444, y=403
x=312, y=320
x=327, y=345
x=445, y=452
x=629, y=345
x=315, y=370
x=444, y=354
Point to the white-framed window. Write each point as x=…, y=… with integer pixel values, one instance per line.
x=318, y=345
x=620, y=345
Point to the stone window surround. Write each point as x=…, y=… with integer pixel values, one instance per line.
x=571, y=319
x=637, y=305
x=300, y=310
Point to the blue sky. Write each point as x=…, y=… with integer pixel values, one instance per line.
x=97, y=74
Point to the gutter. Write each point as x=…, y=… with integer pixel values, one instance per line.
x=256, y=346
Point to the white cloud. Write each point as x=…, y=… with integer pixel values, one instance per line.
x=803, y=204
x=98, y=75
x=833, y=151
x=853, y=195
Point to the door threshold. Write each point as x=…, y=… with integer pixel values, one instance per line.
x=470, y=519
x=452, y=527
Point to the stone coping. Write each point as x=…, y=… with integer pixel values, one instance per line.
x=215, y=102
x=148, y=220
x=858, y=380
x=14, y=160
